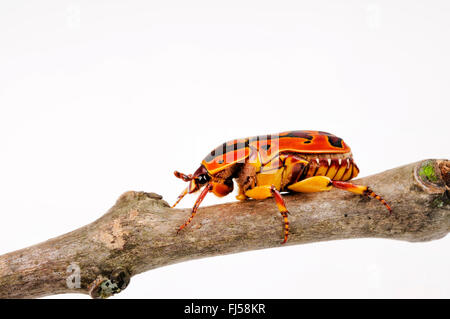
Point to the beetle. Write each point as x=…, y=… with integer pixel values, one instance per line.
x=268, y=165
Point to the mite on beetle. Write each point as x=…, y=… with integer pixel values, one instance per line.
x=263, y=166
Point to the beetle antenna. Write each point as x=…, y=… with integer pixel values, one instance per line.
x=180, y=197
x=184, y=177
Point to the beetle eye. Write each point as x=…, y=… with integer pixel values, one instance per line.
x=202, y=179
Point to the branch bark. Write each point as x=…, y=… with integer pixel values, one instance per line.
x=139, y=232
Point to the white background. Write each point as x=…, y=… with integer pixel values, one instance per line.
x=101, y=97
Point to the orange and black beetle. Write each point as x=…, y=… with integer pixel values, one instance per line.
x=263, y=166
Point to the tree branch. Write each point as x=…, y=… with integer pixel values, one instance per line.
x=139, y=232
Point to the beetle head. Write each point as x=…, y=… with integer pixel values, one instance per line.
x=196, y=181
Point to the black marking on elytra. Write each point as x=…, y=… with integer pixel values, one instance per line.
x=301, y=134
x=225, y=148
x=266, y=139
x=298, y=134
x=335, y=141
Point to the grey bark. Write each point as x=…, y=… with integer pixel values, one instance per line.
x=139, y=232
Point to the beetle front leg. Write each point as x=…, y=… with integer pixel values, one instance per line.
x=180, y=197
x=200, y=198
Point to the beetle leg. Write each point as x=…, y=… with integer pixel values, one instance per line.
x=262, y=192
x=361, y=190
x=180, y=197
x=185, y=178
x=312, y=185
x=200, y=198
x=324, y=183
x=283, y=211
x=259, y=192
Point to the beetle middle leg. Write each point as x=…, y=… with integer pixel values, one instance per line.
x=262, y=192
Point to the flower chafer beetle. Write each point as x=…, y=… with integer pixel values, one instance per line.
x=264, y=166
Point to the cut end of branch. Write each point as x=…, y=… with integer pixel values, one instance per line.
x=433, y=176
x=444, y=167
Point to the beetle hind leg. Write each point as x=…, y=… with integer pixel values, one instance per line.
x=324, y=183
x=361, y=190
x=312, y=185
